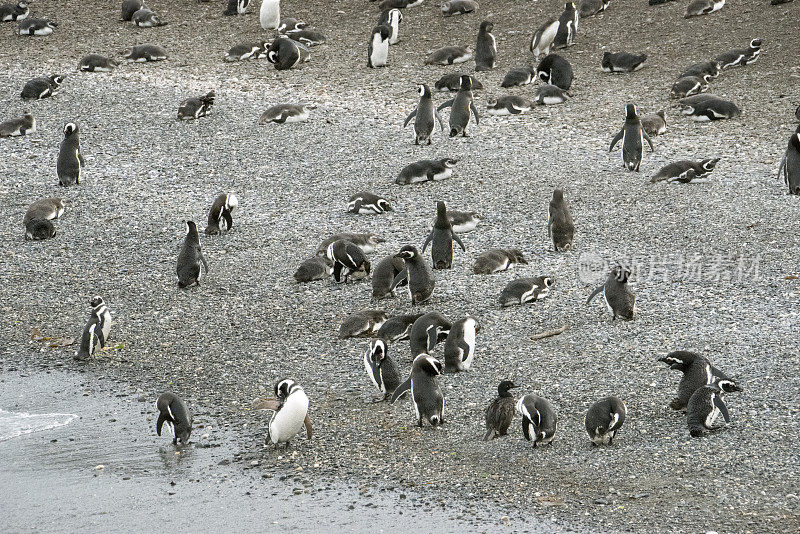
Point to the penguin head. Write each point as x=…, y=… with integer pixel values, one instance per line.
x=709, y=164
x=621, y=274
x=51, y=24
x=57, y=79
x=558, y=196
x=284, y=388
x=374, y=239
x=407, y=252
x=678, y=359
x=663, y=114
x=423, y=90
x=96, y=301
x=70, y=128
x=491, y=103
x=377, y=350
x=465, y=83
x=517, y=256
x=450, y=162
x=728, y=386
x=191, y=229
x=630, y=111
x=428, y=364
x=395, y=15
x=569, y=6
x=548, y=281
x=384, y=205
x=755, y=43
x=272, y=55
x=486, y=26
x=504, y=387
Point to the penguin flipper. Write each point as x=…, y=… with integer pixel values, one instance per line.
x=401, y=276
x=617, y=139
x=202, y=259
x=594, y=293
x=337, y=271
x=433, y=336
x=446, y=104
x=526, y=424
x=647, y=138
x=408, y=119
x=401, y=390
x=474, y=112
x=228, y=220
x=80, y=158
x=783, y=168
x=458, y=240
x=512, y=110
x=427, y=241
x=720, y=405
x=307, y=423
x=161, y=418
x=489, y=434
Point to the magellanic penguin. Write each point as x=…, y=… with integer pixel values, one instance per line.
x=620, y=301
x=363, y=323
x=462, y=221
x=702, y=7
x=461, y=106
x=425, y=117
x=285, y=53
x=290, y=412
x=220, y=216
x=708, y=108
x=519, y=76
x=196, y=106
x=42, y=87
x=381, y=368
x=452, y=83
x=365, y=202
x=567, y=27
x=539, y=419
x=289, y=24
x=442, y=237
x=190, y=258
x=425, y=393
x=97, y=63
x=97, y=329
x=285, y=113
x=144, y=18
x=589, y=8
x=560, y=227
x=36, y=27
x=314, y=268
x=270, y=14
x=508, y=105
x=655, y=123
x=347, y=258
x=14, y=12
x=448, y=55
x=243, y=51
x=44, y=209
x=686, y=171
x=496, y=260
x=426, y=170
x=458, y=7
x=378, y=48
x=543, y=38
x=417, y=273
x=383, y=276
x=236, y=7
x=500, y=412
x=143, y=53
x=707, y=70
x=366, y=242
x=459, y=347
x=555, y=70
x=740, y=57
x=633, y=136
x=526, y=289
x=622, y=62
x=173, y=411
x=398, y=328
x=706, y=404
x=550, y=95
x=697, y=372
x=604, y=419
x=307, y=37
x=428, y=330
x=70, y=157
x=397, y=4
x=129, y=7
x=688, y=86
x=485, y=47
x=392, y=18
x=39, y=230
x=789, y=168
x=16, y=127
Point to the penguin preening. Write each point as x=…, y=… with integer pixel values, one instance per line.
x=174, y=412
x=485, y=48
x=363, y=323
x=500, y=413
x=633, y=136
x=383, y=276
x=190, y=258
x=496, y=260
x=96, y=331
x=365, y=202
x=42, y=87
x=220, y=216
x=290, y=412
x=381, y=368
x=555, y=70
x=196, y=107
x=426, y=396
x=426, y=331
x=459, y=347
x=97, y=63
x=543, y=38
x=285, y=53
x=417, y=273
x=347, y=258
x=425, y=117
x=442, y=237
x=604, y=419
x=392, y=18
x=398, y=328
x=378, y=48
x=448, y=55
x=525, y=289
x=685, y=171
x=697, y=371
x=461, y=106
x=620, y=300
x=70, y=157
x=16, y=127
x=560, y=227
x=790, y=164
x=539, y=419
x=706, y=404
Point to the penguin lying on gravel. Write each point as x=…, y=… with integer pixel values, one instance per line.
x=290, y=24
x=655, y=123
x=448, y=55
x=740, y=57
x=220, y=216
x=16, y=127
x=452, y=83
x=620, y=300
x=622, y=62
x=44, y=209
x=144, y=18
x=398, y=328
x=36, y=27
x=129, y=7
x=14, y=12
x=283, y=113
x=462, y=221
x=174, y=412
x=426, y=396
x=519, y=76
x=508, y=105
x=290, y=412
x=196, y=106
x=497, y=260
x=707, y=107
x=144, y=53
x=368, y=203
x=548, y=95
x=426, y=171
x=97, y=63
x=97, y=329
x=243, y=51
x=706, y=404
x=500, y=413
x=707, y=70
x=397, y=4
x=42, y=87
x=589, y=8
x=524, y=290
x=458, y=7
x=381, y=368
x=309, y=37
x=539, y=419
x=604, y=419
x=39, y=230
x=363, y=323
x=679, y=171
x=688, y=86
x=314, y=268
x=697, y=8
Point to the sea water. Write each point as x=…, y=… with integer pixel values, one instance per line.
x=15, y=424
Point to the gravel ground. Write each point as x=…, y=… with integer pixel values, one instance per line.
x=222, y=344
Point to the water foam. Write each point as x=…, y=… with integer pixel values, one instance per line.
x=15, y=424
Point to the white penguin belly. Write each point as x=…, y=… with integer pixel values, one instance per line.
x=443, y=175
x=287, y=422
x=380, y=51
x=710, y=418
x=270, y=14
x=300, y=117
x=462, y=58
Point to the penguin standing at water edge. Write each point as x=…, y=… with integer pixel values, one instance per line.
x=425, y=117
x=426, y=395
x=191, y=258
x=173, y=411
x=633, y=136
x=485, y=48
x=70, y=157
x=442, y=236
x=378, y=49
x=461, y=106
x=96, y=331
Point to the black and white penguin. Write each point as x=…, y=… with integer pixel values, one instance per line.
x=697, y=8
x=144, y=53
x=452, y=83
x=220, y=217
x=314, y=268
x=461, y=106
x=196, y=106
x=236, y=7
x=307, y=37
x=425, y=117
x=283, y=113
x=70, y=157
x=589, y=8
x=706, y=404
x=620, y=300
x=290, y=412
x=526, y=289
x=706, y=70
x=655, y=123
x=485, y=47
x=397, y=4
x=383, y=276
x=549, y=95
x=442, y=237
x=347, y=258
x=555, y=70
x=392, y=18
x=96, y=63
x=378, y=48
x=497, y=260
x=285, y=53
x=539, y=419
x=697, y=372
x=39, y=230
x=560, y=227
x=366, y=242
x=543, y=38
x=398, y=328
x=622, y=62
x=708, y=108
x=426, y=170
x=688, y=86
x=740, y=57
x=519, y=76
x=36, y=27
x=129, y=7
x=426, y=396
x=243, y=51
x=269, y=16
x=508, y=105
x=44, y=209
x=14, y=12
x=633, y=136
x=97, y=329
x=428, y=330
x=567, y=27
x=500, y=412
x=381, y=368
x=16, y=127
x=291, y=24
x=365, y=202
x=458, y=7
x=790, y=164
x=190, y=258
x=462, y=221
x=417, y=273
x=174, y=412
x=363, y=323
x=145, y=18
x=42, y=87
x=604, y=419
x=448, y=55
x=679, y=171
x=459, y=347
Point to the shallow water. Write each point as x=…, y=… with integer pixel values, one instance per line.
x=15, y=424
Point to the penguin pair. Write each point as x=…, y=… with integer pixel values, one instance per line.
x=426, y=170
x=285, y=113
x=686, y=171
x=17, y=127
x=364, y=323
x=285, y=53
x=425, y=117
x=697, y=371
x=36, y=27
x=461, y=106
x=378, y=48
x=173, y=412
x=426, y=396
x=707, y=107
x=416, y=274
x=633, y=136
x=560, y=226
x=236, y=7
x=740, y=57
x=42, y=87
x=70, y=157
x=706, y=404
x=220, y=216
x=485, y=48
x=347, y=259
x=96, y=331
x=144, y=53
x=458, y=7
x=525, y=289
x=497, y=260
x=290, y=412
x=14, y=12
x=555, y=70
x=381, y=368
x=97, y=63
x=365, y=202
x=196, y=107
x=620, y=300
x=448, y=55
x=790, y=164
x=442, y=237
x=192, y=265
x=392, y=18
x=622, y=62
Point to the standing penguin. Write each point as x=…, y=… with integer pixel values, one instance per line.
x=378, y=49
x=485, y=48
x=416, y=273
x=347, y=258
x=706, y=404
x=459, y=348
x=236, y=7
x=383, y=276
x=555, y=70
x=290, y=412
x=426, y=117
x=620, y=300
x=381, y=369
x=428, y=330
x=567, y=27
x=270, y=14
x=442, y=236
x=560, y=227
x=392, y=18
x=604, y=419
x=697, y=372
x=70, y=157
x=190, y=258
x=461, y=106
x=173, y=411
x=539, y=419
x=633, y=136
x=543, y=38
x=96, y=331
x=219, y=217
x=500, y=412
x=425, y=392
x=790, y=164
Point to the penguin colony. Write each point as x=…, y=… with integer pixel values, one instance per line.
x=703, y=389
